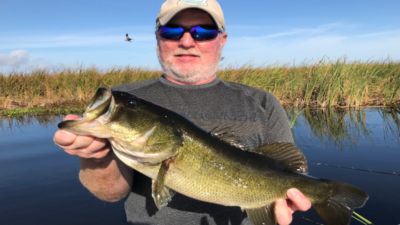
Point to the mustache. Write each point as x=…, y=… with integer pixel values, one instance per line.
x=186, y=52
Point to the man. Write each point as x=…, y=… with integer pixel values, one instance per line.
x=190, y=37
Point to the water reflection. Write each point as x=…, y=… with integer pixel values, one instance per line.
x=344, y=128
x=19, y=122
x=392, y=121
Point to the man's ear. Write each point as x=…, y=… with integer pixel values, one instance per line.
x=224, y=38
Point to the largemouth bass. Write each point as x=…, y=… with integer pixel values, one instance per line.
x=213, y=167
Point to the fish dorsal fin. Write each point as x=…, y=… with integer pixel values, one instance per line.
x=228, y=136
x=287, y=154
x=262, y=216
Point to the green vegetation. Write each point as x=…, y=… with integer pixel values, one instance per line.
x=321, y=84
x=67, y=84
x=11, y=113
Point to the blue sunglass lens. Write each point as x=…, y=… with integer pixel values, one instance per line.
x=203, y=33
x=171, y=33
x=198, y=33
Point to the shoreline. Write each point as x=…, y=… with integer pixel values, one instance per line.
x=20, y=107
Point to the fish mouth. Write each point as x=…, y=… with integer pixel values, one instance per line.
x=82, y=127
x=98, y=112
x=99, y=104
x=101, y=120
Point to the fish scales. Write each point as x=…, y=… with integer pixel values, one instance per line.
x=178, y=155
x=219, y=173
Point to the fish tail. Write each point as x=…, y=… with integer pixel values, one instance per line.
x=338, y=206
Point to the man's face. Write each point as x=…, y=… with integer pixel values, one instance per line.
x=187, y=60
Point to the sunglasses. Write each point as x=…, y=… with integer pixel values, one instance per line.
x=198, y=33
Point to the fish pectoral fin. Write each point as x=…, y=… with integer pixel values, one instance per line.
x=288, y=154
x=262, y=216
x=228, y=136
x=160, y=193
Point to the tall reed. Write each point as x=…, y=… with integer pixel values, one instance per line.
x=325, y=83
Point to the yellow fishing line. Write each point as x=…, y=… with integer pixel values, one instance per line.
x=367, y=221
x=358, y=220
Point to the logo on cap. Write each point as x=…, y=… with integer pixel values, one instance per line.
x=193, y=2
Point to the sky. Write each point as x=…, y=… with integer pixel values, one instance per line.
x=70, y=33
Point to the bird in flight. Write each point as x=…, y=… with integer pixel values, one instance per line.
x=127, y=38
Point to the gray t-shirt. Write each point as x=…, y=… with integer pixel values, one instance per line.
x=255, y=115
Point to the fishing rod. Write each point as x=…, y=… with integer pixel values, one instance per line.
x=352, y=168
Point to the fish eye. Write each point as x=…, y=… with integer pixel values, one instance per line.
x=131, y=103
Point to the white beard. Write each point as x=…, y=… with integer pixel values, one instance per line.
x=188, y=74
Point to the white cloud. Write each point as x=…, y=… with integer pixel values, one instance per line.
x=15, y=58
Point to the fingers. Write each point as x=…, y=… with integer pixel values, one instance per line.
x=88, y=147
x=64, y=138
x=298, y=200
x=81, y=145
x=285, y=208
x=84, y=141
x=283, y=214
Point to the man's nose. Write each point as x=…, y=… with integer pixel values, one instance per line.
x=187, y=41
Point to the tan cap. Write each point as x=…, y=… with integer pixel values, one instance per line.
x=171, y=7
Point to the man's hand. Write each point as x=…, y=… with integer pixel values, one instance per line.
x=81, y=145
x=285, y=208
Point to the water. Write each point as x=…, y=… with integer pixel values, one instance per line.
x=39, y=182
x=367, y=139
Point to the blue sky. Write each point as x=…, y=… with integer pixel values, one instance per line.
x=59, y=33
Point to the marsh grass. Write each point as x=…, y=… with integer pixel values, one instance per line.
x=325, y=83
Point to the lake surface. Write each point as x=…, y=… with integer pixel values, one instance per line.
x=39, y=182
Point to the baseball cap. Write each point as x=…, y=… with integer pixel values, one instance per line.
x=171, y=7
